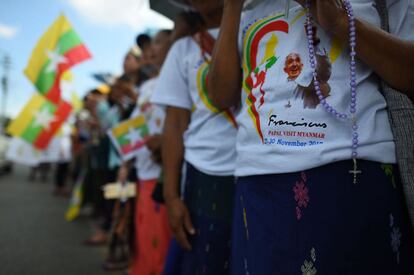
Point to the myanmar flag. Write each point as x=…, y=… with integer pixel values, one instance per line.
x=76, y=201
x=39, y=121
x=57, y=50
x=129, y=136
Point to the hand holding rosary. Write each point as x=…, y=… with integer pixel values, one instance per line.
x=345, y=116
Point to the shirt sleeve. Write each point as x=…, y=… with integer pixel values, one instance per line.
x=156, y=122
x=135, y=113
x=401, y=18
x=172, y=87
x=240, y=37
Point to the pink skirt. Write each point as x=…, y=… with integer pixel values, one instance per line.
x=152, y=232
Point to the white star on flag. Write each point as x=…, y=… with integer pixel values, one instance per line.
x=55, y=60
x=133, y=135
x=43, y=118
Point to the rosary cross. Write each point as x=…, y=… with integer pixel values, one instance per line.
x=355, y=171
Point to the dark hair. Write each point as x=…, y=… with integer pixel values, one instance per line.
x=124, y=78
x=91, y=92
x=193, y=20
x=166, y=31
x=142, y=40
x=142, y=77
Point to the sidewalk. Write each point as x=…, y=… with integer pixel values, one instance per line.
x=34, y=237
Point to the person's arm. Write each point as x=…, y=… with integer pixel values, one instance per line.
x=154, y=145
x=176, y=122
x=123, y=171
x=389, y=56
x=225, y=76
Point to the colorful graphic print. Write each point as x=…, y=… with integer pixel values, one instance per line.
x=202, y=91
x=324, y=71
x=255, y=68
x=255, y=75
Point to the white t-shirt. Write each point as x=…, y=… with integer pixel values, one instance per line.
x=146, y=168
x=65, y=153
x=210, y=138
x=282, y=126
x=65, y=144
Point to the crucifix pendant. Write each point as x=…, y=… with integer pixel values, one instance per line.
x=355, y=171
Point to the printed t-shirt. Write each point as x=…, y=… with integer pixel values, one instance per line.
x=283, y=127
x=210, y=138
x=147, y=169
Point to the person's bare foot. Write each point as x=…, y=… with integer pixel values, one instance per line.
x=61, y=191
x=57, y=191
x=65, y=192
x=115, y=265
x=99, y=238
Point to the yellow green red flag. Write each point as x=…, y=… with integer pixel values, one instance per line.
x=76, y=102
x=76, y=201
x=58, y=49
x=39, y=121
x=68, y=91
x=129, y=136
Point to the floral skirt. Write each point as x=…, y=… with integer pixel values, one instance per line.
x=152, y=232
x=319, y=222
x=210, y=202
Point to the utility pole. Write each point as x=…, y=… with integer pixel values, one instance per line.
x=5, y=62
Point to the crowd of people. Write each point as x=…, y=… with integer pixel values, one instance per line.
x=270, y=147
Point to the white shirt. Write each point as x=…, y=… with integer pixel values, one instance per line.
x=210, y=138
x=65, y=144
x=282, y=128
x=146, y=168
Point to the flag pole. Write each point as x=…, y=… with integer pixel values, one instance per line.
x=6, y=61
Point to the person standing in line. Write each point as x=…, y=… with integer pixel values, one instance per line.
x=318, y=189
x=199, y=136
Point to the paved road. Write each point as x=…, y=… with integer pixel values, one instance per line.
x=34, y=237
